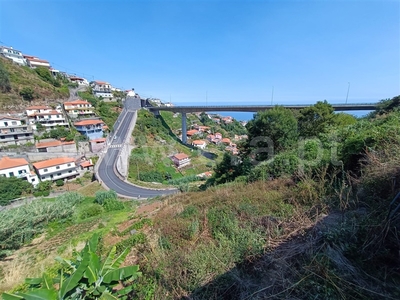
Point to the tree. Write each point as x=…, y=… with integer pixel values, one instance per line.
x=86, y=277
x=270, y=131
x=5, y=85
x=12, y=187
x=27, y=93
x=316, y=119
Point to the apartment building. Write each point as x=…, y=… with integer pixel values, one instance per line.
x=180, y=160
x=46, y=116
x=15, y=131
x=56, y=168
x=34, y=62
x=17, y=167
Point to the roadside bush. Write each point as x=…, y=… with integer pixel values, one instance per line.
x=102, y=196
x=151, y=176
x=91, y=210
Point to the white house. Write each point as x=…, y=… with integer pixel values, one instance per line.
x=102, y=89
x=17, y=167
x=46, y=116
x=15, y=55
x=79, y=80
x=79, y=108
x=56, y=168
x=15, y=131
x=180, y=160
x=34, y=62
x=199, y=144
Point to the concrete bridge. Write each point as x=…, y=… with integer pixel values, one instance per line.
x=251, y=108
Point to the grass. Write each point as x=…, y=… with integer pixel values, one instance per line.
x=21, y=77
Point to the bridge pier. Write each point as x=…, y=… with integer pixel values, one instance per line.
x=184, y=129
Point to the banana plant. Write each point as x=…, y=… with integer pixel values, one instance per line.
x=87, y=277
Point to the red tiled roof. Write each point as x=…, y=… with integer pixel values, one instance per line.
x=101, y=82
x=79, y=101
x=52, y=112
x=7, y=117
x=53, y=162
x=99, y=140
x=181, y=156
x=88, y=122
x=198, y=142
x=7, y=162
x=48, y=144
x=192, y=132
x=35, y=107
x=226, y=140
x=86, y=164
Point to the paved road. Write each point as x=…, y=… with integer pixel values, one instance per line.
x=107, y=173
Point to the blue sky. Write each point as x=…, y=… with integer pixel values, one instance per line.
x=230, y=51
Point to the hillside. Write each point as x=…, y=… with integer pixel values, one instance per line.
x=23, y=78
x=280, y=229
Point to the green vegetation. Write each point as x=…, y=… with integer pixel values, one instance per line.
x=150, y=160
x=5, y=85
x=19, y=83
x=12, y=188
x=86, y=277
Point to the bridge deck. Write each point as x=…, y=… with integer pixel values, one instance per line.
x=255, y=108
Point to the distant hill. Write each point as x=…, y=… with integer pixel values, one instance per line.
x=20, y=78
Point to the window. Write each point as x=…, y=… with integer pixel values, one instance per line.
x=45, y=170
x=58, y=167
x=70, y=171
x=68, y=165
x=14, y=122
x=12, y=130
x=58, y=174
x=43, y=177
x=3, y=137
x=33, y=179
x=11, y=174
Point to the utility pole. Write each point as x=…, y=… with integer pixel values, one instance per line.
x=348, y=89
x=272, y=95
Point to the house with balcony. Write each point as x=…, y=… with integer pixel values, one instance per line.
x=15, y=131
x=46, y=116
x=91, y=128
x=17, y=167
x=56, y=168
x=180, y=160
x=34, y=62
x=102, y=89
x=79, y=80
x=79, y=108
x=13, y=54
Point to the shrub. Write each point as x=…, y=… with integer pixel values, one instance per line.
x=59, y=182
x=102, y=196
x=112, y=204
x=91, y=210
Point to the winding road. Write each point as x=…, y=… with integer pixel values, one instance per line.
x=107, y=173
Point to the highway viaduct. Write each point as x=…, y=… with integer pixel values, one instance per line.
x=250, y=108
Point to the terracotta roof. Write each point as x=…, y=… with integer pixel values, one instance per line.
x=79, y=101
x=34, y=107
x=192, y=132
x=37, y=60
x=7, y=163
x=75, y=78
x=100, y=82
x=48, y=144
x=226, y=140
x=105, y=127
x=11, y=118
x=198, y=142
x=88, y=122
x=53, y=162
x=181, y=156
x=99, y=140
x=52, y=112
x=86, y=164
